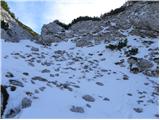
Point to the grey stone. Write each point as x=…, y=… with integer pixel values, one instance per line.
x=106, y=99
x=13, y=112
x=125, y=77
x=9, y=75
x=77, y=109
x=138, y=110
x=45, y=71
x=51, y=32
x=25, y=73
x=144, y=64
x=42, y=88
x=16, y=83
x=39, y=78
x=34, y=49
x=88, y=98
x=99, y=83
x=83, y=43
x=26, y=102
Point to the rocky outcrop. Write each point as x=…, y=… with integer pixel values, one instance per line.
x=4, y=99
x=140, y=17
x=11, y=28
x=138, y=65
x=143, y=16
x=52, y=32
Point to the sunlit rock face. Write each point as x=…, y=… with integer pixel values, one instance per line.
x=52, y=32
x=140, y=17
x=12, y=29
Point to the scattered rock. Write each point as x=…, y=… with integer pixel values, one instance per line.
x=129, y=94
x=138, y=110
x=146, y=83
x=135, y=70
x=25, y=73
x=125, y=77
x=119, y=62
x=13, y=112
x=42, y=88
x=47, y=63
x=82, y=43
x=88, y=98
x=39, y=78
x=132, y=60
x=157, y=115
x=51, y=75
x=26, y=102
x=9, y=75
x=88, y=105
x=144, y=64
x=106, y=99
x=13, y=88
x=45, y=71
x=16, y=83
x=34, y=49
x=77, y=109
x=66, y=86
x=36, y=91
x=29, y=93
x=151, y=73
x=56, y=74
x=99, y=83
x=140, y=101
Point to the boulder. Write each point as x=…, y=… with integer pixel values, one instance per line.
x=139, y=64
x=26, y=102
x=45, y=71
x=13, y=112
x=9, y=75
x=88, y=98
x=52, y=32
x=144, y=64
x=138, y=110
x=99, y=83
x=39, y=78
x=77, y=109
x=83, y=43
x=16, y=83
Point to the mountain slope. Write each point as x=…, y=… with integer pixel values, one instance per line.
x=57, y=78
x=94, y=69
x=11, y=28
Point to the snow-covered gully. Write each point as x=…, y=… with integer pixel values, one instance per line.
x=65, y=81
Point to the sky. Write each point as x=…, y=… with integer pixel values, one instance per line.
x=36, y=13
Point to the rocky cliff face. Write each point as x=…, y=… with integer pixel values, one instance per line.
x=11, y=28
x=140, y=17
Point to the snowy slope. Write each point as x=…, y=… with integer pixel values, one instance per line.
x=72, y=72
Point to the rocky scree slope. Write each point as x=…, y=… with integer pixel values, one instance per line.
x=104, y=68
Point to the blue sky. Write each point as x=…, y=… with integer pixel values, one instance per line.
x=35, y=13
